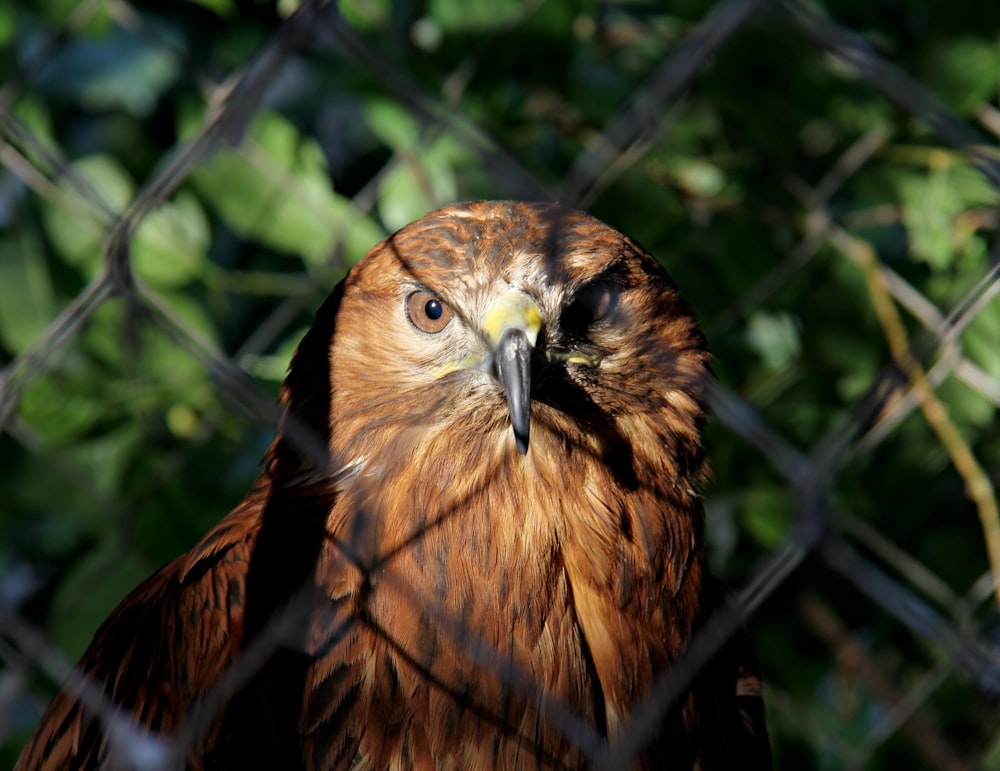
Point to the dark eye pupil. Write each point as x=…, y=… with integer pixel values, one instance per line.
x=433, y=309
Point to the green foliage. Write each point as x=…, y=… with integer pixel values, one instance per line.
x=29, y=303
x=934, y=201
x=275, y=190
x=963, y=71
x=425, y=171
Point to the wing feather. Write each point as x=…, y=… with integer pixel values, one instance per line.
x=163, y=647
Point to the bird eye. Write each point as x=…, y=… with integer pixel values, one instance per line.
x=591, y=304
x=426, y=312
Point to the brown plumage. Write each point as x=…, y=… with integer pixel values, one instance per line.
x=476, y=541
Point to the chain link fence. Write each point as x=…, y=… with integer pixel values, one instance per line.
x=181, y=186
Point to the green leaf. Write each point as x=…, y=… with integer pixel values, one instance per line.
x=90, y=591
x=420, y=182
x=274, y=366
x=965, y=72
x=424, y=175
x=75, y=222
x=932, y=204
x=34, y=114
x=980, y=339
x=111, y=71
x=463, y=16
x=26, y=296
x=366, y=14
x=8, y=29
x=991, y=758
x=104, y=459
x=765, y=514
x=168, y=249
x=224, y=8
x=276, y=189
x=191, y=312
x=699, y=177
x=966, y=406
x=59, y=409
x=393, y=124
x=171, y=245
x=775, y=337
x=928, y=209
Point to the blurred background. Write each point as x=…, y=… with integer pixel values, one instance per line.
x=182, y=183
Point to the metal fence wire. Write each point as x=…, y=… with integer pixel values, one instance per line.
x=181, y=185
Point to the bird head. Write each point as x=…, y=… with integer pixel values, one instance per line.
x=496, y=326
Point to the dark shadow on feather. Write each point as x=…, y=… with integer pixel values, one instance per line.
x=283, y=563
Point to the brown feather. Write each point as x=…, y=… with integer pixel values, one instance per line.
x=402, y=588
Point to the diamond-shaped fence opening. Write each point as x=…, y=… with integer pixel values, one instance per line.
x=180, y=187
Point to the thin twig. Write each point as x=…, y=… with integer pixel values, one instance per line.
x=977, y=482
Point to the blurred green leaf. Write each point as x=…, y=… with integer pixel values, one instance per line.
x=932, y=205
x=700, y=177
x=93, y=188
x=366, y=14
x=966, y=406
x=7, y=26
x=27, y=300
x=274, y=367
x=171, y=246
x=775, y=338
x=765, y=514
x=456, y=15
x=981, y=337
x=114, y=71
x=103, y=459
x=224, y=8
x=964, y=72
x=90, y=592
x=37, y=119
x=186, y=310
x=393, y=124
x=59, y=408
x=991, y=759
x=276, y=189
x=422, y=181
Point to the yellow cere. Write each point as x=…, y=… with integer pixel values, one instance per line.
x=512, y=310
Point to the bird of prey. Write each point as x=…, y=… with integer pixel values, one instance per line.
x=476, y=541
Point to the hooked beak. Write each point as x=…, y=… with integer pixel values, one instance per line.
x=512, y=361
x=511, y=327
